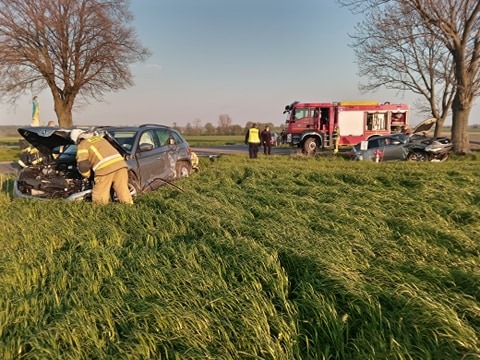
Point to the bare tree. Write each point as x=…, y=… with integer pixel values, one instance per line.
x=188, y=129
x=396, y=53
x=456, y=25
x=224, y=123
x=76, y=48
x=197, y=126
x=209, y=128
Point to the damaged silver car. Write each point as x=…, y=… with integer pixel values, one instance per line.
x=416, y=146
x=155, y=155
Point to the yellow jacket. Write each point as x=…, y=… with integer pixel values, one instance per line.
x=97, y=154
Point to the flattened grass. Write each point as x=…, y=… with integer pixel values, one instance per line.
x=277, y=258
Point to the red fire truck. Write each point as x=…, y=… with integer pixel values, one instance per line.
x=311, y=125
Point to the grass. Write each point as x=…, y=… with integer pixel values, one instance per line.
x=278, y=258
x=214, y=140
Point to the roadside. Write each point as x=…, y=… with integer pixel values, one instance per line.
x=9, y=167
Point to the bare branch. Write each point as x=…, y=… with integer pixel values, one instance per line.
x=77, y=48
x=429, y=47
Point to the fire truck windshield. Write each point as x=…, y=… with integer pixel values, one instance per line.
x=300, y=113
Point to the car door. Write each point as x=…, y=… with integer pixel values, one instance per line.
x=393, y=149
x=152, y=161
x=169, y=152
x=374, y=144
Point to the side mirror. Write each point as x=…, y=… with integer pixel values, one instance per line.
x=145, y=147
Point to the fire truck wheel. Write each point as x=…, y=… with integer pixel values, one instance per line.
x=310, y=146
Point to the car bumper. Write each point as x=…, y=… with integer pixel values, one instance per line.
x=79, y=196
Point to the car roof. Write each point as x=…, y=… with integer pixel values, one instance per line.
x=47, y=138
x=136, y=127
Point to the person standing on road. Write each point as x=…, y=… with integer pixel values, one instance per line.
x=266, y=140
x=95, y=153
x=283, y=136
x=252, y=138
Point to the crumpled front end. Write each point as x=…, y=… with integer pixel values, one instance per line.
x=46, y=183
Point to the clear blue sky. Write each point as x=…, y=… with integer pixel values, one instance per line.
x=244, y=58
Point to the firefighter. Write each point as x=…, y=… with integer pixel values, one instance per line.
x=195, y=161
x=30, y=156
x=95, y=154
x=336, y=139
x=252, y=138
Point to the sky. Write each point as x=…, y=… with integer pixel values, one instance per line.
x=242, y=58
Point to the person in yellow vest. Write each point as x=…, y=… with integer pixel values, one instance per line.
x=336, y=138
x=95, y=154
x=252, y=138
x=30, y=156
x=195, y=161
x=35, y=112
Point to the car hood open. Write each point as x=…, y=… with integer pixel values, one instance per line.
x=424, y=126
x=46, y=138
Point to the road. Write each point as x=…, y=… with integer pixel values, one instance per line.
x=8, y=167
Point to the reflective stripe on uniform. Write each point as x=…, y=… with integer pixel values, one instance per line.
x=106, y=161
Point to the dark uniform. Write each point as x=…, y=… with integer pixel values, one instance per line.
x=266, y=141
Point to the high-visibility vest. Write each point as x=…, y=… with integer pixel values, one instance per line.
x=253, y=135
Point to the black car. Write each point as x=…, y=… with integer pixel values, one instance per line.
x=155, y=155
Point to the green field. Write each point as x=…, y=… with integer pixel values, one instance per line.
x=274, y=258
x=214, y=140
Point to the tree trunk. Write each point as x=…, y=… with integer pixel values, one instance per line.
x=460, y=117
x=63, y=109
x=439, y=127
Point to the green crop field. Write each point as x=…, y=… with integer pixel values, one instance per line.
x=275, y=258
x=214, y=140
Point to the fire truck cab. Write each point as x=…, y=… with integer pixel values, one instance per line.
x=311, y=126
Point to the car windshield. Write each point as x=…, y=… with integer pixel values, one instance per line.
x=66, y=152
x=70, y=150
x=124, y=137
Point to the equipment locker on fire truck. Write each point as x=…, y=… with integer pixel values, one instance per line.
x=311, y=126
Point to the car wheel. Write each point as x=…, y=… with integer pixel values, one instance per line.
x=183, y=169
x=133, y=186
x=416, y=156
x=310, y=146
x=443, y=158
